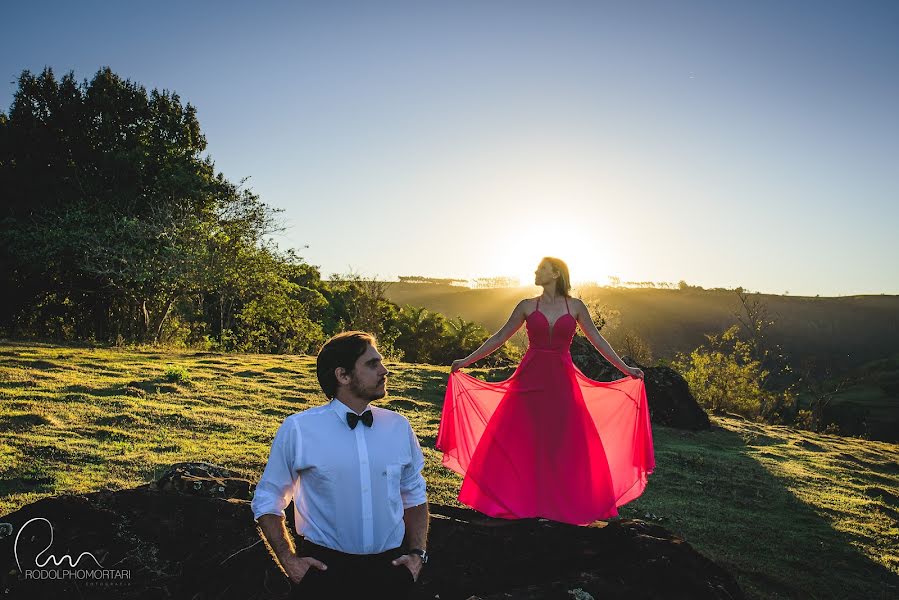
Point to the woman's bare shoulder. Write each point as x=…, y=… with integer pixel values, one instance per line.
x=577, y=305
x=527, y=305
x=576, y=301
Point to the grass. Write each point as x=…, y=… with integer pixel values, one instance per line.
x=788, y=512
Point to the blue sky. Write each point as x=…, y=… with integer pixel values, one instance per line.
x=722, y=143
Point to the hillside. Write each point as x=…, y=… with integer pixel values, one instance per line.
x=789, y=513
x=843, y=332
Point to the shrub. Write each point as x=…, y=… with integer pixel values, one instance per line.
x=177, y=375
x=724, y=377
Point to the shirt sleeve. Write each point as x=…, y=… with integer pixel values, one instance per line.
x=275, y=488
x=412, y=483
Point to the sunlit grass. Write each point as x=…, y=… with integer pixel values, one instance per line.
x=790, y=513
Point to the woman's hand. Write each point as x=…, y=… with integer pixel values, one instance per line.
x=635, y=372
x=457, y=364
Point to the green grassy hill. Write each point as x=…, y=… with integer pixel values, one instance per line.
x=867, y=403
x=790, y=513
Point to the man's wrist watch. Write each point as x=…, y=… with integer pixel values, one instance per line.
x=421, y=554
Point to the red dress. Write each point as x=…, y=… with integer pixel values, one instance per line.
x=547, y=442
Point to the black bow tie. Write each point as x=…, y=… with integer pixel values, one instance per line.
x=352, y=419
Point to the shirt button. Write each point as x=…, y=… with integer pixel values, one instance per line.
x=365, y=489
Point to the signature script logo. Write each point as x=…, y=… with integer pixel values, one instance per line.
x=66, y=568
x=37, y=559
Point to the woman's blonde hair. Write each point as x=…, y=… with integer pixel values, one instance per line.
x=563, y=283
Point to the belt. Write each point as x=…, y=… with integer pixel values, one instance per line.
x=308, y=548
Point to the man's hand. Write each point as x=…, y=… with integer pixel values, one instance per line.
x=411, y=562
x=298, y=566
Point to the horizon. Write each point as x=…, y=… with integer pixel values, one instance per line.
x=725, y=145
x=626, y=285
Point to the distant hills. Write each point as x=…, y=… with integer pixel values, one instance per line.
x=842, y=333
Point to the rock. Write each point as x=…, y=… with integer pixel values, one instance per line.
x=670, y=401
x=204, y=479
x=159, y=541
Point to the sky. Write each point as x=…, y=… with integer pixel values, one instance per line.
x=726, y=144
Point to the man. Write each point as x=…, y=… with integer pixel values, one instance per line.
x=354, y=474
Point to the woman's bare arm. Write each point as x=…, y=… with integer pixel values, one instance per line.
x=516, y=319
x=602, y=346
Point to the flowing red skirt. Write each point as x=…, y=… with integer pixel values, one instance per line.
x=547, y=442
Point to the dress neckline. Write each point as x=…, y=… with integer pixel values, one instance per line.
x=552, y=326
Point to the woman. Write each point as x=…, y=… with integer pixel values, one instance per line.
x=547, y=442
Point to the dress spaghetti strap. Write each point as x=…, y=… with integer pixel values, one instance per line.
x=568, y=310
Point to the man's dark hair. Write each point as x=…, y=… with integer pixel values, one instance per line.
x=342, y=350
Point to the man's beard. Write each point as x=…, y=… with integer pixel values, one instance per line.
x=368, y=394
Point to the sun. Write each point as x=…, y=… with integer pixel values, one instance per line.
x=518, y=253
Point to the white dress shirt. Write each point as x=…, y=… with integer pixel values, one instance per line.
x=349, y=486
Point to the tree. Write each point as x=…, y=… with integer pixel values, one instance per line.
x=819, y=386
x=724, y=376
x=111, y=214
x=496, y=282
x=756, y=324
x=755, y=321
x=628, y=343
x=603, y=315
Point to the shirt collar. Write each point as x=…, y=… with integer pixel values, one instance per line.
x=342, y=409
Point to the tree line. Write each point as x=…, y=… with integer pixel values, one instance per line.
x=115, y=228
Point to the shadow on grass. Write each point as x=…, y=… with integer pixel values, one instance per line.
x=22, y=422
x=249, y=373
x=282, y=370
x=431, y=389
x=40, y=365
x=92, y=391
x=37, y=484
x=403, y=404
x=13, y=385
x=710, y=486
x=139, y=389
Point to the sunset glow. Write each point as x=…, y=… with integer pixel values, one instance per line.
x=517, y=253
